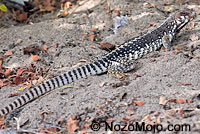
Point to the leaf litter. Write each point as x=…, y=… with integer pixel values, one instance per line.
x=73, y=122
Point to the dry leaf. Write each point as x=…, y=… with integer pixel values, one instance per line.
x=54, y=45
x=18, y=80
x=46, y=6
x=45, y=47
x=86, y=126
x=172, y=100
x=34, y=82
x=73, y=116
x=93, y=47
x=162, y=101
x=14, y=94
x=139, y=103
x=52, y=129
x=67, y=5
x=7, y=72
x=61, y=120
x=91, y=37
x=189, y=101
x=41, y=79
x=84, y=34
x=180, y=101
x=70, y=98
x=180, y=111
x=171, y=112
x=45, y=112
x=147, y=118
x=83, y=132
x=32, y=49
x=116, y=11
x=23, y=17
x=53, y=17
x=130, y=109
x=125, y=119
x=169, y=9
x=42, y=131
x=153, y=24
x=180, y=2
x=186, y=83
x=176, y=51
x=191, y=24
x=102, y=84
x=84, y=15
x=2, y=123
x=133, y=101
x=19, y=41
x=8, y=53
x=152, y=5
x=1, y=14
x=106, y=46
x=180, y=47
x=19, y=72
x=94, y=30
x=62, y=13
x=65, y=13
x=29, y=85
x=158, y=121
x=194, y=37
x=35, y=57
x=72, y=125
x=82, y=60
x=166, y=3
x=1, y=84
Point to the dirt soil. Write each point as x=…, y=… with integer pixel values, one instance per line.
x=171, y=78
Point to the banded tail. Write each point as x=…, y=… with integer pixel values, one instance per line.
x=97, y=67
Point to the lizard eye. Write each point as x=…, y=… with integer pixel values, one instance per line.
x=183, y=14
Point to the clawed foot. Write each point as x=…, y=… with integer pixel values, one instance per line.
x=166, y=41
x=118, y=75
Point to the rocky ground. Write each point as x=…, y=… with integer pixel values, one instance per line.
x=164, y=89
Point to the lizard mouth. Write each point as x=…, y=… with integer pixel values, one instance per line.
x=188, y=13
x=192, y=15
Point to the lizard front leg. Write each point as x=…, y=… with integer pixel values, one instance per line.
x=119, y=70
x=166, y=41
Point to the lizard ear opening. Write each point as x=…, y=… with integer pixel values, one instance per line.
x=188, y=13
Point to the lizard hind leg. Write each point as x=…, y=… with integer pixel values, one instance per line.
x=119, y=70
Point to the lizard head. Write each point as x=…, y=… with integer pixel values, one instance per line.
x=181, y=18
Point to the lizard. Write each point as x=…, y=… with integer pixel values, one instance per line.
x=116, y=62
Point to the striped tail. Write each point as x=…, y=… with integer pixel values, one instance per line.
x=97, y=67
